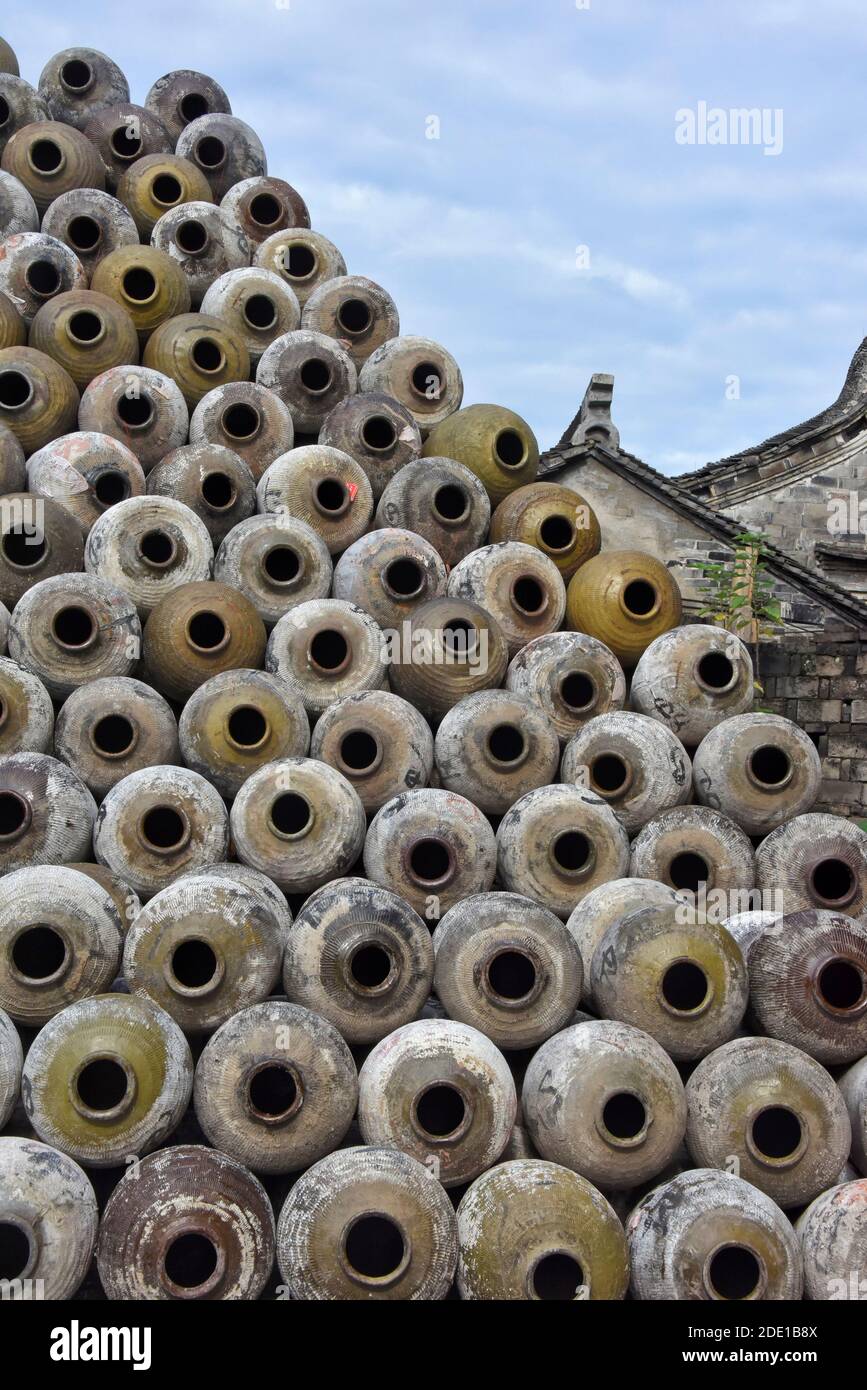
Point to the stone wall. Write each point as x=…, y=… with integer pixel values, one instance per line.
x=819, y=680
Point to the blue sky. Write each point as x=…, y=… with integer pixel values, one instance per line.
x=557, y=132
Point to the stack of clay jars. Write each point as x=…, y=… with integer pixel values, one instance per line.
x=379, y=853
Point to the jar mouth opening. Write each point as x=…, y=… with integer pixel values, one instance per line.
x=378, y=434
x=510, y=450
x=375, y=1249
x=372, y=969
x=715, y=673
x=192, y=1262
x=640, y=600
x=40, y=955
x=777, y=1137
x=578, y=691
x=734, y=1272
x=833, y=882
x=157, y=548
x=194, y=968
x=442, y=1112
x=16, y=816
x=573, y=855
x=529, y=596
x=556, y=533
x=282, y=565
x=103, y=1087
x=76, y=76
x=451, y=504
x=506, y=746
x=329, y=652
x=557, y=1276
x=611, y=774
x=19, y=1247
x=241, y=421
x=266, y=210
x=685, y=989
x=359, y=752
x=207, y=632
x=512, y=977
x=164, y=829
x=430, y=862
x=840, y=987
x=75, y=628
x=624, y=1119
x=403, y=579
x=113, y=736
x=769, y=767
x=139, y=285
x=291, y=816
x=273, y=1091
x=688, y=870
x=247, y=728
x=426, y=382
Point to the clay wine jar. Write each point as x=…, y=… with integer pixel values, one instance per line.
x=311, y=373
x=432, y=847
x=710, y=1235
x=112, y=727
x=831, y=1232
x=78, y=82
x=107, y=1077
x=86, y=333
x=154, y=183
x=198, y=352
x=46, y=812
x=357, y=312
x=26, y=711
x=517, y=584
x=183, y=96
x=186, y=1223
x=262, y=206
x=561, y=1240
x=360, y=956
x=691, y=678
x=203, y=948
x=493, y=442
x=197, y=631
x=86, y=473
x=422, y=375
x=38, y=540
x=143, y=408
x=380, y=743
x=256, y=304
x=637, y=766
x=50, y=158
x=680, y=979
x=299, y=822
x=212, y=481
x=225, y=148
x=276, y=1087
x=149, y=546
x=605, y=1100
x=60, y=937
x=557, y=843
x=246, y=418
x=367, y=1223
x=441, y=501
x=91, y=223
x=448, y=649
x=624, y=598
x=38, y=398
x=808, y=983
x=324, y=488
x=326, y=649
x=236, y=722
x=300, y=257
x=508, y=967
x=49, y=1210
x=389, y=573
x=691, y=846
x=277, y=560
x=375, y=430
x=758, y=769
x=555, y=519
x=72, y=629
x=816, y=860
x=159, y=823
x=494, y=747
x=436, y=1088
x=147, y=283
x=775, y=1111
x=606, y=904
x=571, y=677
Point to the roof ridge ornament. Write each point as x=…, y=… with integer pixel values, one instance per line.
x=593, y=423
